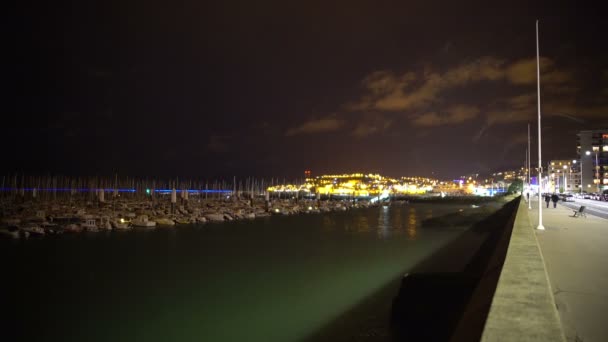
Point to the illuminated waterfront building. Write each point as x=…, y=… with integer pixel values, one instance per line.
x=592, y=150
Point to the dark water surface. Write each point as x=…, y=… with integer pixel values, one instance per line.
x=274, y=279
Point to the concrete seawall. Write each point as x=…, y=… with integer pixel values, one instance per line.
x=523, y=307
x=440, y=303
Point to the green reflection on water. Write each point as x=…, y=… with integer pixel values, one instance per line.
x=277, y=279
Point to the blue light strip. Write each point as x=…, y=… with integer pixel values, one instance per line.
x=162, y=191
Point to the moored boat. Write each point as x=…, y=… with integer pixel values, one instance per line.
x=89, y=225
x=142, y=221
x=163, y=221
x=11, y=231
x=33, y=230
x=121, y=224
x=72, y=228
x=182, y=221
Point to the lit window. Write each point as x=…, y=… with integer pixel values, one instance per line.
x=605, y=148
x=596, y=148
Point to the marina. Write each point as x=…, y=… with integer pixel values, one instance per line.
x=36, y=218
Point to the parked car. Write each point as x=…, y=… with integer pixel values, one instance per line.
x=567, y=198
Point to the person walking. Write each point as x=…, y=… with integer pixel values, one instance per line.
x=554, y=198
x=547, y=199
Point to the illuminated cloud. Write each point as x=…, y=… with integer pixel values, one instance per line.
x=328, y=124
x=454, y=115
x=380, y=84
x=401, y=96
x=371, y=125
x=384, y=82
x=388, y=91
x=424, y=92
x=523, y=72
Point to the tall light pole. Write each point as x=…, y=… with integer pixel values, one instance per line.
x=529, y=162
x=565, y=182
x=580, y=185
x=586, y=153
x=540, y=168
x=597, y=174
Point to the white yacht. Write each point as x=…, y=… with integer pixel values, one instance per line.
x=89, y=225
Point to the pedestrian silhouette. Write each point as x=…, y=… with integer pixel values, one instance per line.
x=547, y=199
x=554, y=198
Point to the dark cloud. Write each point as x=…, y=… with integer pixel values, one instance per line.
x=246, y=83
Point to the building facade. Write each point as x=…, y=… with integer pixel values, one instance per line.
x=592, y=151
x=563, y=176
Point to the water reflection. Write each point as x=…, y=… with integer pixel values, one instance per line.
x=397, y=224
x=362, y=224
x=328, y=224
x=384, y=223
x=411, y=224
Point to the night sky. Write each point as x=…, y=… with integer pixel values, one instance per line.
x=260, y=88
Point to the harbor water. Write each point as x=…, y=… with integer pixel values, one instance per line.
x=282, y=278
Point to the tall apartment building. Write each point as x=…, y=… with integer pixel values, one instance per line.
x=563, y=176
x=592, y=150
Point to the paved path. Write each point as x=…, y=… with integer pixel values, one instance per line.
x=523, y=308
x=575, y=251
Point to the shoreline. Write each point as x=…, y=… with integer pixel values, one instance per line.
x=21, y=218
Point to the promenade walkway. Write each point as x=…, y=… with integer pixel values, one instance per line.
x=523, y=307
x=575, y=251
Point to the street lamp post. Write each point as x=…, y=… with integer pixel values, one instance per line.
x=540, y=165
x=580, y=185
x=529, y=162
x=565, y=182
x=597, y=173
x=587, y=153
